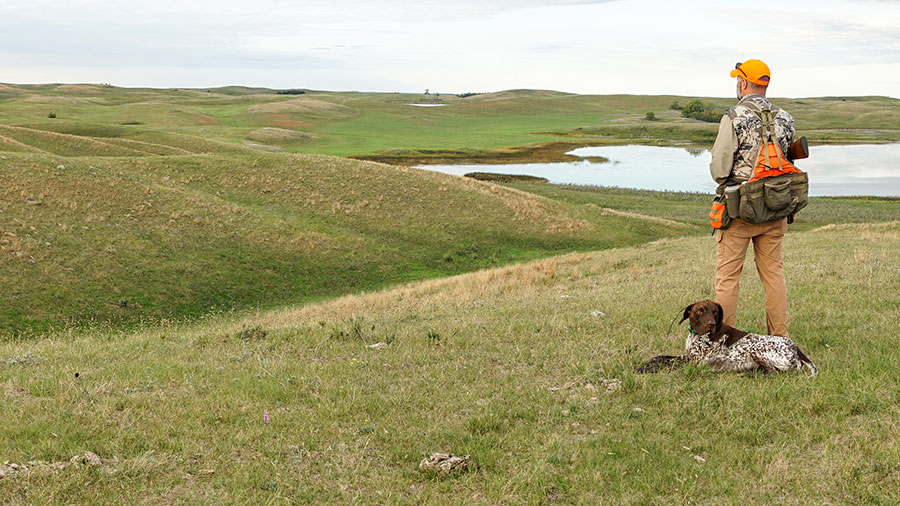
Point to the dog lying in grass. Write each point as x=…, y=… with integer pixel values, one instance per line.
x=725, y=348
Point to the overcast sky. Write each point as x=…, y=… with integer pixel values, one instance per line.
x=814, y=48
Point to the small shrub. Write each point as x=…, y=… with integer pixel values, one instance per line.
x=650, y=116
x=52, y=115
x=696, y=109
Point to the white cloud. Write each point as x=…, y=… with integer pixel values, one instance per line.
x=637, y=46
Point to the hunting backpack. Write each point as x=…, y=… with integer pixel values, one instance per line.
x=776, y=190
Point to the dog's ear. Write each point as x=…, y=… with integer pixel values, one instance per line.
x=719, y=316
x=687, y=313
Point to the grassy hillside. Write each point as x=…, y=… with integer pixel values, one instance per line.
x=181, y=202
x=525, y=368
x=125, y=239
x=383, y=125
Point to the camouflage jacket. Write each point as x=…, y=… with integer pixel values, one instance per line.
x=737, y=144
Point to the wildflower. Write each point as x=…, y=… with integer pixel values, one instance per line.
x=266, y=417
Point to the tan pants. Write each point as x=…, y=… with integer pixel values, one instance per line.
x=731, y=249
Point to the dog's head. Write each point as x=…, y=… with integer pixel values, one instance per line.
x=705, y=316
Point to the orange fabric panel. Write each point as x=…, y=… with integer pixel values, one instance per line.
x=716, y=214
x=767, y=163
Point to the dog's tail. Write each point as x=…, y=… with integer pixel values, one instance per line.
x=813, y=370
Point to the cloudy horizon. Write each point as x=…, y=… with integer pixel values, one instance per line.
x=837, y=48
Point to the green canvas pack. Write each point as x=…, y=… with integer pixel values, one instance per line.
x=770, y=197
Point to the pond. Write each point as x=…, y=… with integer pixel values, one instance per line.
x=867, y=169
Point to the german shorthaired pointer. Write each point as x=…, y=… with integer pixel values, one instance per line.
x=725, y=348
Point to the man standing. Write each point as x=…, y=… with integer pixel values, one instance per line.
x=734, y=158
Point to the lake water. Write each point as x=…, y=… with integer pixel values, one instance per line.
x=869, y=169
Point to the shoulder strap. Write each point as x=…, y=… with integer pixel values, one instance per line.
x=766, y=130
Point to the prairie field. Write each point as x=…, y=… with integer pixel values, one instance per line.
x=222, y=297
x=527, y=369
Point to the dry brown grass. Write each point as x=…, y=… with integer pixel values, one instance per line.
x=655, y=219
x=57, y=100
x=79, y=88
x=65, y=144
x=271, y=134
x=306, y=106
x=529, y=208
x=10, y=144
x=149, y=147
x=512, y=281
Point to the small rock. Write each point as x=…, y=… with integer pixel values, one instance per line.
x=639, y=410
x=89, y=458
x=567, y=386
x=565, y=297
x=699, y=459
x=611, y=384
x=444, y=463
x=378, y=346
x=30, y=202
x=597, y=314
x=60, y=167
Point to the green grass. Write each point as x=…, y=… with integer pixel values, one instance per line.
x=172, y=264
x=369, y=124
x=175, y=203
x=508, y=366
x=692, y=208
x=131, y=239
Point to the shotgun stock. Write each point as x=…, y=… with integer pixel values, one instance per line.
x=798, y=150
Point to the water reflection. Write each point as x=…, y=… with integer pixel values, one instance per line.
x=833, y=170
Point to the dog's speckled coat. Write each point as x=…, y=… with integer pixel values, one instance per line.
x=727, y=349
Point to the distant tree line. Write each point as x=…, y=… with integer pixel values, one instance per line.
x=290, y=92
x=469, y=94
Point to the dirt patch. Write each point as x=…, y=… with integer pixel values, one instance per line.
x=200, y=118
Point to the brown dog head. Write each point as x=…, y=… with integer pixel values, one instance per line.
x=705, y=317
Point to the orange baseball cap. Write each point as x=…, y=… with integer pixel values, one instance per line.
x=753, y=71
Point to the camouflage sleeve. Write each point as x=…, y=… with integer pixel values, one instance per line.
x=784, y=129
x=723, y=151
